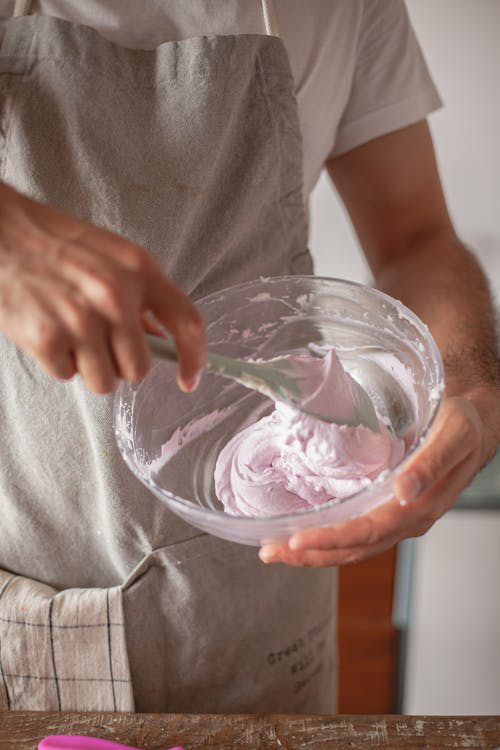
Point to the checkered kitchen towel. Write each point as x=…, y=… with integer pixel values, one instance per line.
x=62, y=650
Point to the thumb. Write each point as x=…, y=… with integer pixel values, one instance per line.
x=454, y=436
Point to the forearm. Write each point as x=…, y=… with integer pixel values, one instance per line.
x=441, y=281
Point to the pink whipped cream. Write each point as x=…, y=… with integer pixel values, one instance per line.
x=289, y=461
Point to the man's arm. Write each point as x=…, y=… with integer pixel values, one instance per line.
x=391, y=189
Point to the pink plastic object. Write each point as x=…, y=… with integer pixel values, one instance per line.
x=76, y=742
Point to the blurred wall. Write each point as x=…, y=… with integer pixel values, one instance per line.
x=461, y=42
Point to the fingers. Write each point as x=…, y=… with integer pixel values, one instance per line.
x=455, y=435
x=314, y=558
x=61, y=366
x=190, y=343
x=365, y=530
x=82, y=344
x=119, y=279
x=117, y=292
x=441, y=496
x=131, y=353
x=95, y=365
x=100, y=364
x=38, y=334
x=178, y=314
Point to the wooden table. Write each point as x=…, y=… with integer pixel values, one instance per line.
x=21, y=730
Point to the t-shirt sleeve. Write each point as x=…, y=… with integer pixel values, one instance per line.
x=391, y=86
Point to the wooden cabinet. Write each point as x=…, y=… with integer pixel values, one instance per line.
x=367, y=639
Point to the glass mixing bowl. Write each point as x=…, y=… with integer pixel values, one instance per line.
x=383, y=345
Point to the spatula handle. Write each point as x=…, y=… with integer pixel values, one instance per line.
x=162, y=348
x=77, y=742
x=165, y=349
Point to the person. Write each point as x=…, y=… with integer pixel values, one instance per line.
x=149, y=156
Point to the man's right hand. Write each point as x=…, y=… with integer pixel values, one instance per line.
x=76, y=297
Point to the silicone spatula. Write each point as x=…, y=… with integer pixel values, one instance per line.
x=285, y=379
x=76, y=742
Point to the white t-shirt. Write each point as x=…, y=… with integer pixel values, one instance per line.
x=358, y=69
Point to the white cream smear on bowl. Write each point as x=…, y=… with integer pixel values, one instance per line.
x=289, y=461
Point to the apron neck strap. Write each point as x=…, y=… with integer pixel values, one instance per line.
x=270, y=18
x=21, y=7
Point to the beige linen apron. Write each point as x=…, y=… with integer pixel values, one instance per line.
x=107, y=600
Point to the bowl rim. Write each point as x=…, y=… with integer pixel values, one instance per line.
x=285, y=518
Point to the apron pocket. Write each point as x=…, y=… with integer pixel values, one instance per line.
x=62, y=650
x=211, y=629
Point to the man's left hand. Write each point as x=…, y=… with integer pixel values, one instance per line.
x=463, y=439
